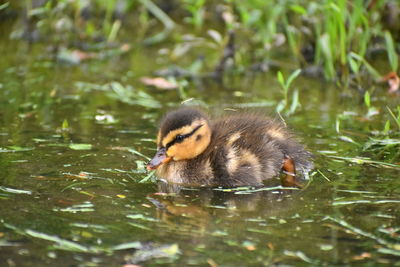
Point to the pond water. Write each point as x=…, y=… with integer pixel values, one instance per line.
x=74, y=191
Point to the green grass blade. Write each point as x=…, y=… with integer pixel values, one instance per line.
x=390, y=46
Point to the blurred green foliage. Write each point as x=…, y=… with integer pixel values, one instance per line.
x=317, y=33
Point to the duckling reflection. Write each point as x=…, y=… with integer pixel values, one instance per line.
x=193, y=210
x=240, y=150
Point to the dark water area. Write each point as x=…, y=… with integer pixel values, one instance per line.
x=74, y=190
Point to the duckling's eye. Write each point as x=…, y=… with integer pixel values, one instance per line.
x=179, y=138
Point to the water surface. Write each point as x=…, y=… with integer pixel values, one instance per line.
x=74, y=191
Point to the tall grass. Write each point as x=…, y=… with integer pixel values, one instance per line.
x=336, y=30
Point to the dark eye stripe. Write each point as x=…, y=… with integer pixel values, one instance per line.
x=182, y=137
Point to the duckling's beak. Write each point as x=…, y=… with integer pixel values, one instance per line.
x=160, y=158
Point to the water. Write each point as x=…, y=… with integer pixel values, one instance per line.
x=71, y=194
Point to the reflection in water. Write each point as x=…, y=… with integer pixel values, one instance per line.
x=194, y=209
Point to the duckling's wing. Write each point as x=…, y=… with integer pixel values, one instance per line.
x=248, y=153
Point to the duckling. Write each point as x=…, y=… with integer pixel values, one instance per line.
x=237, y=150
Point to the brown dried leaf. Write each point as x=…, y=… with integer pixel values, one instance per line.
x=362, y=256
x=159, y=82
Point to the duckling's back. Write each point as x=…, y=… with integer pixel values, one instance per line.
x=247, y=148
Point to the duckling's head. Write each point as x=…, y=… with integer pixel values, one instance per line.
x=184, y=134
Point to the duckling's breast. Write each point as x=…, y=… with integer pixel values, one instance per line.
x=195, y=172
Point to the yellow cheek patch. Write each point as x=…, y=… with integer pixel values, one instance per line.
x=191, y=146
x=182, y=131
x=180, y=151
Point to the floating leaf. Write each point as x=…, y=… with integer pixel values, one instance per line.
x=80, y=146
x=129, y=245
x=364, y=201
x=147, y=177
x=326, y=247
x=141, y=217
x=140, y=226
x=244, y=192
x=348, y=139
x=363, y=233
x=151, y=251
x=15, y=149
x=84, y=207
x=216, y=36
x=62, y=244
x=134, y=151
x=15, y=191
x=106, y=119
x=300, y=255
x=359, y=160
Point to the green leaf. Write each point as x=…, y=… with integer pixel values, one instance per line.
x=281, y=79
x=147, y=178
x=280, y=106
x=354, y=65
x=367, y=99
x=61, y=243
x=15, y=191
x=386, y=129
x=295, y=102
x=65, y=125
x=130, y=245
x=298, y=9
x=396, y=119
x=80, y=146
x=390, y=46
x=292, y=77
x=15, y=149
x=4, y=6
x=389, y=251
x=377, y=76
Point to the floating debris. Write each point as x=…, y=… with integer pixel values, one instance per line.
x=15, y=191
